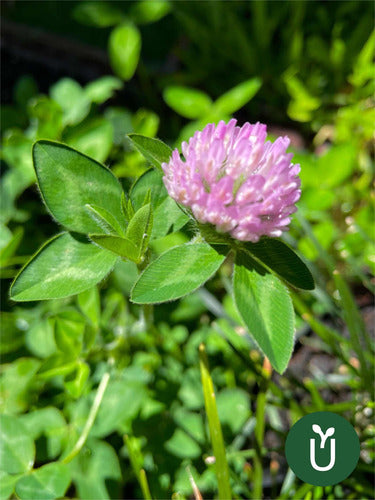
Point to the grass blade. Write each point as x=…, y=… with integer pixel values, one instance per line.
x=222, y=471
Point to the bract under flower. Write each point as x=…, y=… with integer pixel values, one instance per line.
x=234, y=179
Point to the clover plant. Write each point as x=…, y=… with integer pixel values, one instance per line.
x=236, y=192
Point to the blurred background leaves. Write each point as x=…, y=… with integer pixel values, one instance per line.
x=87, y=74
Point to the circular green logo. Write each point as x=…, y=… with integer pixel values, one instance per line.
x=322, y=448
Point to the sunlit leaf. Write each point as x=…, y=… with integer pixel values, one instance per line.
x=93, y=138
x=154, y=150
x=182, y=445
x=233, y=406
x=266, y=309
x=90, y=472
x=188, y=102
x=123, y=247
x=151, y=180
x=72, y=99
x=237, y=97
x=40, y=338
x=50, y=423
x=144, y=11
x=89, y=304
x=64, y=266
x=45, y=483
x=103, y=88
x=69, y=180
x=7, y=483
x=99, y=13
x=145, y=122
x=177, y=272
x=124, y=50
x=17, y=451
x=140, y=228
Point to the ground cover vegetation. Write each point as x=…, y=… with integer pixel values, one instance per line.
x=116, y=334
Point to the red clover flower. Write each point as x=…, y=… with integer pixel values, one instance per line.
x=235, y=180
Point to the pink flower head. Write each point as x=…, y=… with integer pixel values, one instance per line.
x=235, y=180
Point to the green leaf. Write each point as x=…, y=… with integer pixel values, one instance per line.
x=233, y=406
x=57, y=365
x=191, y=422
x=11, y=335
x=363, y=69
x=154, y=150
x=47, y=117
x=303, y=104
x=140, y=227
x=120, y=246
x=72, y=99
x=144, y=11
x=266, y=308
x=76, y=383
x=93, y=138
x=151, y=180
x=177, y=272
x=69, y=330
x=145, y=122
x=282, y=260
x=122, y=401
x=89, y=304
x=182, y=445
x=104, y=219
x=124, y=50
x=7, y=483
x=127, y=207
x=121, y=121
x=89, y=471
x=5, y=236
x=168, y=214
x=17, y=451
x=40, y=338
x=64, y=266
x=50, y=423
x=237, y=97
x=7, y=252
x=69, y=180
x=16, y=151
x=17, y=385
x=209, y=233
x=103, y=88
x=336, y=165
x=99, y=14
x=43, y=420
x=46, y=483
x=188, y=102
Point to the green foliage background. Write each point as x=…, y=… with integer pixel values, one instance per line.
x=304, y=68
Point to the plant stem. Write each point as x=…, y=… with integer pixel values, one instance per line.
x=147, y=309
x=136, y=461
x=90, y=420
x=217, y=441
x=144, y=485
